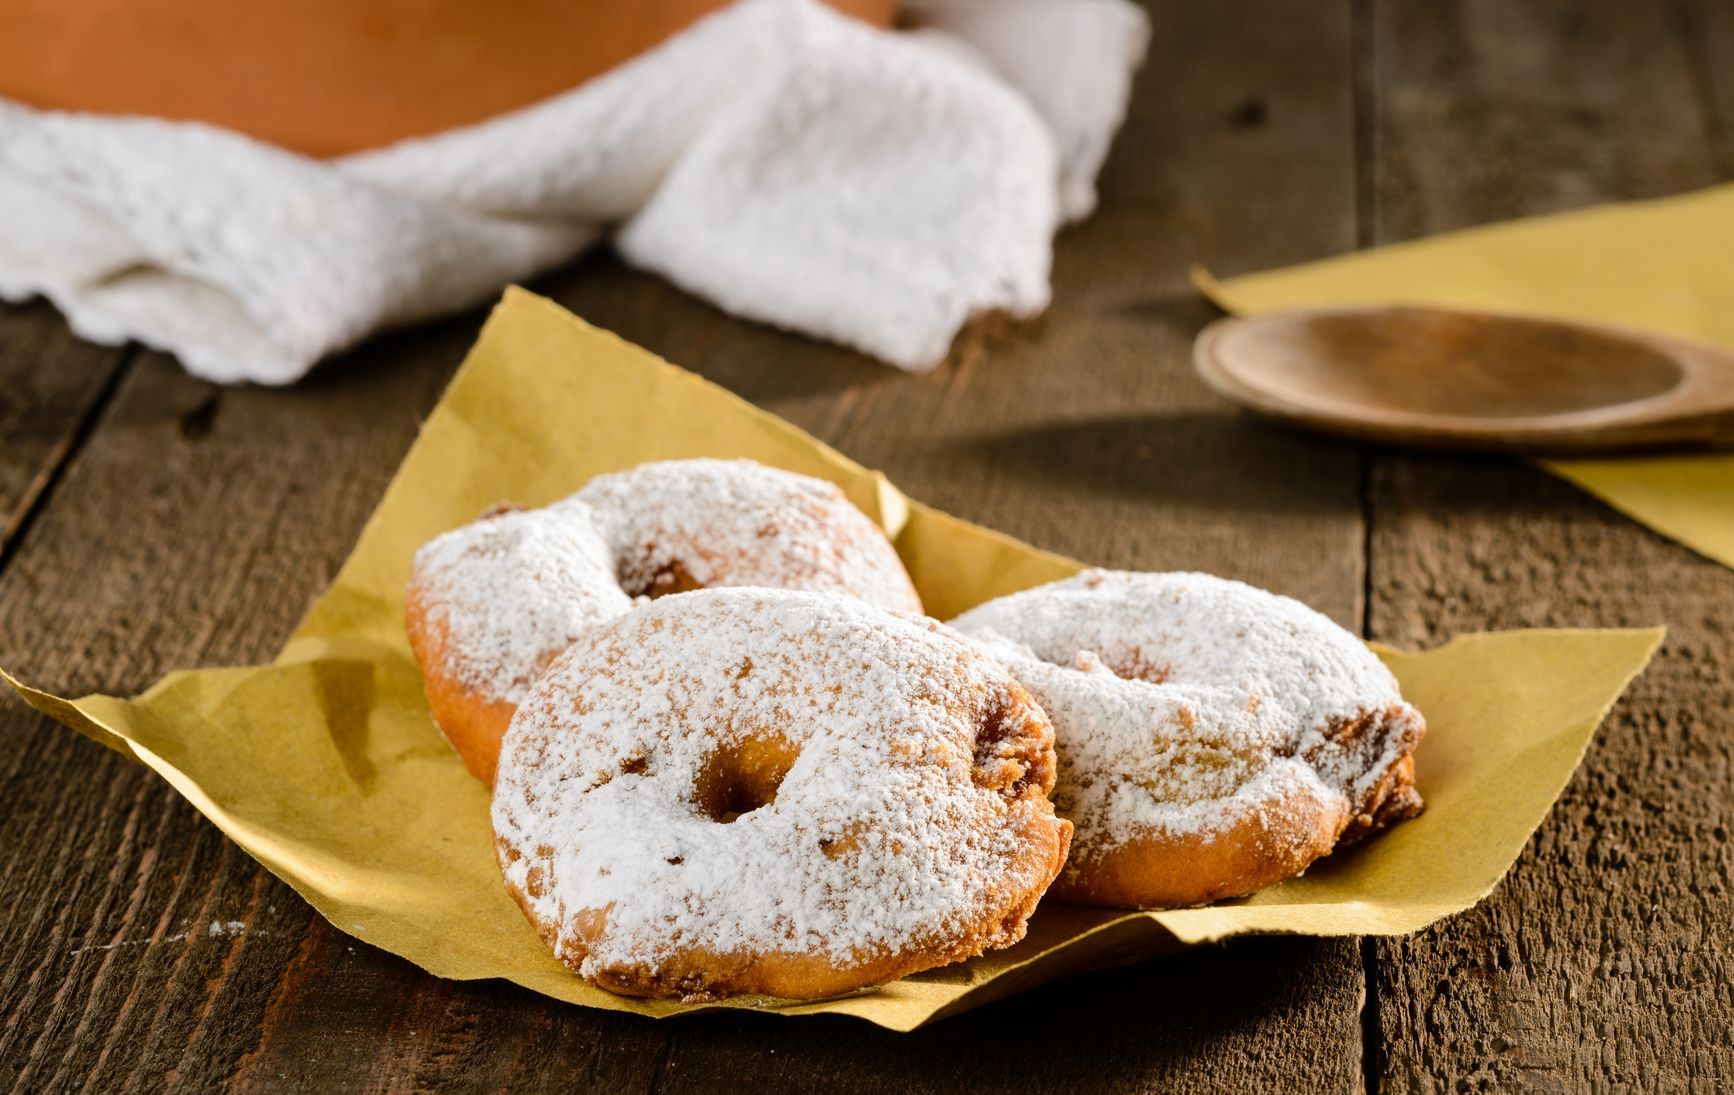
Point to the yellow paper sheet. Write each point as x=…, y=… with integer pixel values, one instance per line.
x=1666, y=265
x=326, y=767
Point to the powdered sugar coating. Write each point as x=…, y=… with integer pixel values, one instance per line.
x=507, y=592
x=675, y=525
x=1184, y=702
x=919, y=771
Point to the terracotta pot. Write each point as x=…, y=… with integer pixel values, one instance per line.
x=327, y=77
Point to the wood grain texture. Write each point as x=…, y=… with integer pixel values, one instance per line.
x=50, y=386
x=1604, y=959
x=194, y=525
x=1087, y=433
x=1490, y=110
x=1269, y=1015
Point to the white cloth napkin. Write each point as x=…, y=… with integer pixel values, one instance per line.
x=874, y=188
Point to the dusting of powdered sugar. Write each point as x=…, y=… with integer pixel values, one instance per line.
x=1183, y=702
x=739, y=523
x=509, y=591
x=506, y=593
x=877, y=839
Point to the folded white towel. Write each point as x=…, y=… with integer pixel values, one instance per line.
x=794, y=166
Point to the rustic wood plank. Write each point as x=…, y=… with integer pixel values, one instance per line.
x=51, y=384
x=196, y=525
x=1490, y=111
x=345, y=1014
x=1604, y=958
x=1254, y=1015
x=1294, y=1017
x=193, y=528
x=1086, y=433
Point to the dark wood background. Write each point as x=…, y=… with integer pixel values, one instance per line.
x=150, y=521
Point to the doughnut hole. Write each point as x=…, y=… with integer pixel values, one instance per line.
x=671, y=577
x=658, y=570
x=1132, y=665
x=742, y=777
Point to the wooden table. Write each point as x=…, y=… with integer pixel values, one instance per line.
x=151, y=521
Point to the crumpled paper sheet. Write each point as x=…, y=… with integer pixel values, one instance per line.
x=325, y=766
x=1665, y=265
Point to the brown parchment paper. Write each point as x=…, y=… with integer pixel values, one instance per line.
x=325, y=766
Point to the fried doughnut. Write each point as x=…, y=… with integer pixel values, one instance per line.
x=679, y=525
x=764, y=791
x=1213, y=739
x=491, y=603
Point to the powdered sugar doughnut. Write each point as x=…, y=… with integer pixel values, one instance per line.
x=491, y=603
x=763, y=791
x=1213, y=739
x=679, y=525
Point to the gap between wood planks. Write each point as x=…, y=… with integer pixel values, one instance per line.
x=29, y=507
x=1372, y=1035
x=1700, y=73
x=1364, y=82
